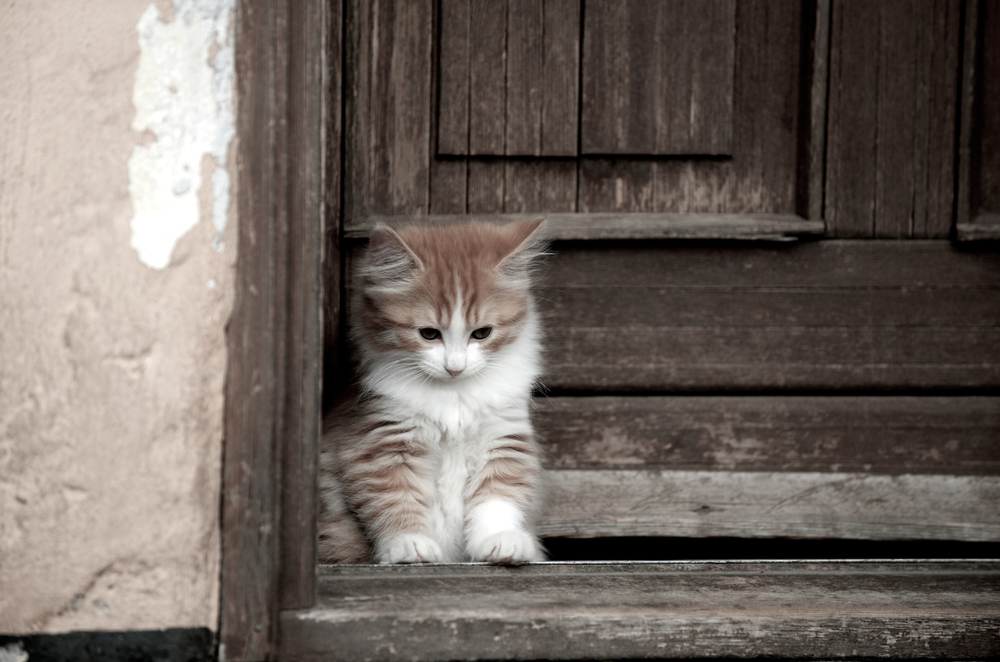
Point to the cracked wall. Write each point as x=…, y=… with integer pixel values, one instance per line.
x=112, y=360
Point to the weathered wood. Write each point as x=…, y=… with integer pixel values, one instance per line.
x=486, y=186
x=842, y=315
x=761, y=504
x=309, y=31
x=812, y=148
x=616, y=185
x=793, y=610
x=453, y=76
x=487, y=77
x=987, y=199
x=568, y=226
x=887, y=435
x=658, y=78
x=761, y=176
x=540, y=186
x=525, y=90
x=894, y=71
x=387, y=131
x=255, y=334
x=560, y=78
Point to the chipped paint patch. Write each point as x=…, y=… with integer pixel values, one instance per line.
x=183, y=96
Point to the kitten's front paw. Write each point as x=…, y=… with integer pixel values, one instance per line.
x=410, y=548
x=512, y=546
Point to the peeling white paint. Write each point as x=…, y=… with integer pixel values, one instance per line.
x=184, y=95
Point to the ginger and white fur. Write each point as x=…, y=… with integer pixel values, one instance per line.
x=436, y=459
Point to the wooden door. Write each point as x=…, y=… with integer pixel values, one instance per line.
x=740, y=341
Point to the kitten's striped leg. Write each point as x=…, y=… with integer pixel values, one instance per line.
x=499, y=499
x=388, y=486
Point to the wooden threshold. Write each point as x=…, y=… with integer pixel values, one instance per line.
x=797, y=609
x=571, y=227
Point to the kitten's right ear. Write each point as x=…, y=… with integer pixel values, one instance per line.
x=390, y=261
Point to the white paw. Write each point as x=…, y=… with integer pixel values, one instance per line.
x=410, y=548
x=510, y=547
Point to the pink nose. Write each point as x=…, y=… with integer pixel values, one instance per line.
x=453, y=373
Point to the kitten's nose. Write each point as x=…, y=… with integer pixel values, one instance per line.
x=454, y=373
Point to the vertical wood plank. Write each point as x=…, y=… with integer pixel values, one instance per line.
x=761, y=175
x=892, y=118
x=255, y=335
x=308, y=32
x=812, y=126
x=453, y=86
x=561, y=76
x=486, y=186
x=851, y=134
x=969, y=102
x=616, y=185
x=938, y=51
x=449, y=176
x=388, y=108
x=540, y=186
x=987, y=198
x=525, y=89
x=660, y=70
x=487, y=77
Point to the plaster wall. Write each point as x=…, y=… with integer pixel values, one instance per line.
x=111, y=367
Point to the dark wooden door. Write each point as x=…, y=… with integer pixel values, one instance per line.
x=699, y=383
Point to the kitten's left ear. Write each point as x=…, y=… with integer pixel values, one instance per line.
x=528, y=239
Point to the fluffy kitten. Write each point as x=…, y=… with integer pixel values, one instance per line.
x=436, y=460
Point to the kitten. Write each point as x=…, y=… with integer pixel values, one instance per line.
x=436, y=460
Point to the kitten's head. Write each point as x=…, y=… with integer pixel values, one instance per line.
x=443, y=302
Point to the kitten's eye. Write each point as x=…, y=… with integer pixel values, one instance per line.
x=483, y=333
x=429, y=334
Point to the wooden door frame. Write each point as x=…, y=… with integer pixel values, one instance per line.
x=289, y=61
x=288, y=183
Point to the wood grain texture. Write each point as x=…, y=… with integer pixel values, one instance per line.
x=892, y=117
x=526, y=179
x=658, y=77
x=540, y=186
x=525, y=77
x=761, y=504
x=486, y=186
x=561, y=78
x=762, y=175
x=987, y=199
x=255, y=376
x=387, y=106
x=793, y=610
x=487, y=76
x=309, y=30
x=888, y=435
x=453, y=75
x=829, y=315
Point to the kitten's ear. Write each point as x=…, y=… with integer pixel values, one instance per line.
x=528, y=239
x=390, y=261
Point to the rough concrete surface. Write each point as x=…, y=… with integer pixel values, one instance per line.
x=111, y=372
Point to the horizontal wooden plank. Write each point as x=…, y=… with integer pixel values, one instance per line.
x=720, y=357
x=650, y=610
x=828, y=315
x=565, y=226
x=582, y=503
x=876, y=435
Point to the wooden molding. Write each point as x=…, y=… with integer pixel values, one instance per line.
x=595, y=226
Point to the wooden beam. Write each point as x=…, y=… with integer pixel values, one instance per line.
x=568, y=226
x=887, y=435
x=791, y=610
x=613, y=503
